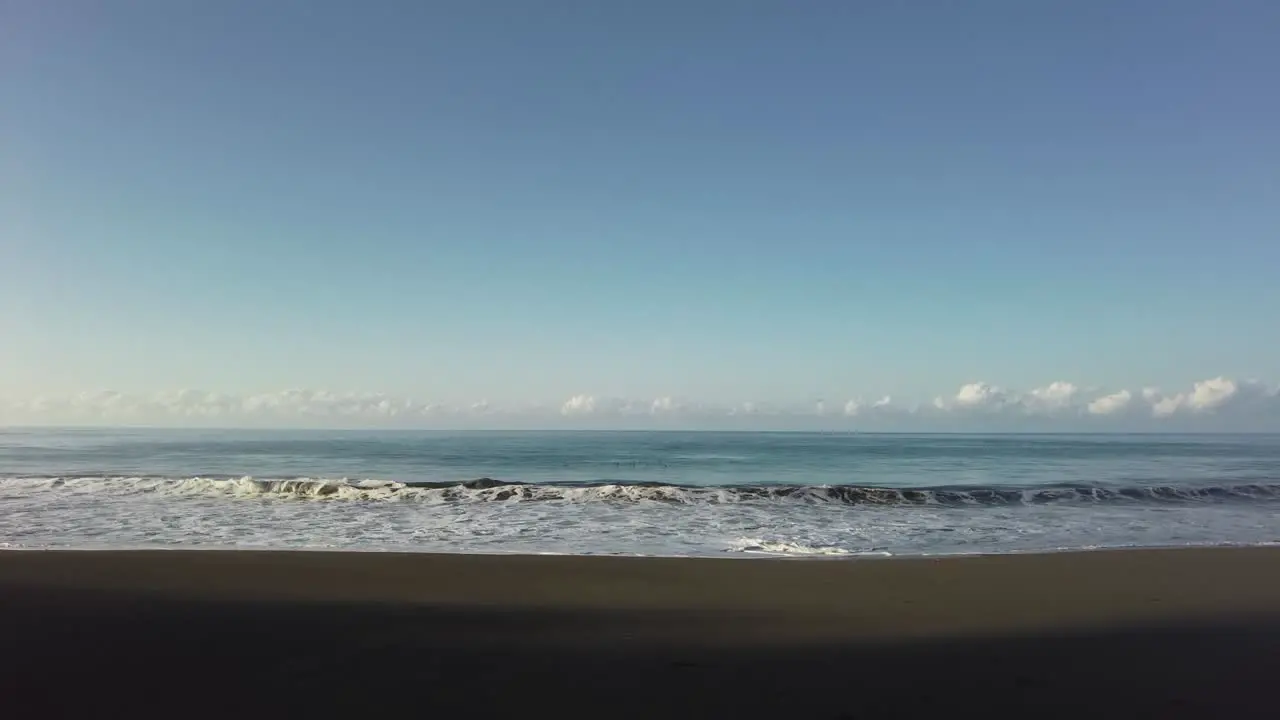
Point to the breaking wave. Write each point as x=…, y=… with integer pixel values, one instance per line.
x=757, y=546
x=485, y=490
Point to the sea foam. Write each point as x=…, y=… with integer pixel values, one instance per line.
x=484, y=490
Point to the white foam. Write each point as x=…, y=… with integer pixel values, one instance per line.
x=488, y=491
x=310, y=513
x=782, y=547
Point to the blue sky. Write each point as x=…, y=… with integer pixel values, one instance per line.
x=723, y=202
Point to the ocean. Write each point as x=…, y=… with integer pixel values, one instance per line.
x=634, y=493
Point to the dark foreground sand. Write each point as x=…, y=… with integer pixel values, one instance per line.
x=1181, y=633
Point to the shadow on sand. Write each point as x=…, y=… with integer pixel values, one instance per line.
x=80, y=653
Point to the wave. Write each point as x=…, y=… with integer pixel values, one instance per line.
x=757, y=546
x=483, y=490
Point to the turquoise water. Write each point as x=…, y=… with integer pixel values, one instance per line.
x=635, y=493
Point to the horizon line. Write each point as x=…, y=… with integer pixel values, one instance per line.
x=602, y=431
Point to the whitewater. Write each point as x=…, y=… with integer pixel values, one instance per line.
x=672, y=494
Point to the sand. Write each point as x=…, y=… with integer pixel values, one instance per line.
x=1156, y=633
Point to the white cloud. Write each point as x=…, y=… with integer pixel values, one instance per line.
x=666, y=406
x=975, y=396
x=1054, y=397
x=857, y=407
x=1064, y=399
x=1213, y=396
x=290, y=403
x=579, y=405
x=1211, y=402
x=1164, y=407
x=1111, y=404
x=1059, y=398
x=616, y=407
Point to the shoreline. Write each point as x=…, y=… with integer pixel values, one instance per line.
x=946, y=593
x=724, y=555
x=1188, y=632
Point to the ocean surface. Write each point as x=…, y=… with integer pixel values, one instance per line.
x=634, y=493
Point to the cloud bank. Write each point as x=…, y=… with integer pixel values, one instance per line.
x=1215, y=403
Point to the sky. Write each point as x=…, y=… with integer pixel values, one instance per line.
x=504, y=213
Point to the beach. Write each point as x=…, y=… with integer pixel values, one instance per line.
x=1166, y=633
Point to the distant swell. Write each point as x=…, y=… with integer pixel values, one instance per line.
x=490, y=490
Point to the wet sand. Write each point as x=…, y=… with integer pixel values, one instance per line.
x=1157, y=633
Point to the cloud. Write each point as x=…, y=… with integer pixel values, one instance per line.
x=579, y=405
x=293, y=402
x=975, y=397
x=283, y=405
x=1218, y=402
x=1054, y=397
x=1111, y=404
x=1214, y=396
x=616, y=407
x=1060, y=399
x=1164, y=407
x=668, y=406
x=856, y=408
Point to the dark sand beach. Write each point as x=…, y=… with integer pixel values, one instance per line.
x=1142, y=633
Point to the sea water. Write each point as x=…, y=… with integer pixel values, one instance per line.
x=634, y=493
